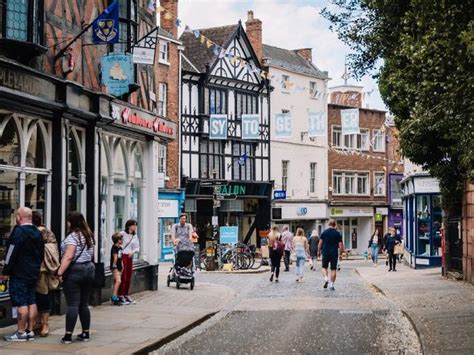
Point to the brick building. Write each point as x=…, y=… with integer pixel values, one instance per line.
x=357, y=176
x=67, y=144
x=468, y=233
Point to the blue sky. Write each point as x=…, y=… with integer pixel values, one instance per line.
x=287, y=24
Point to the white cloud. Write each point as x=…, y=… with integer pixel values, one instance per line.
x=287, y=24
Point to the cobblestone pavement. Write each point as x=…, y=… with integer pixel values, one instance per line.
x=300, y=318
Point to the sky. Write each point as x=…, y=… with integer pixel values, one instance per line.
x=288, y=24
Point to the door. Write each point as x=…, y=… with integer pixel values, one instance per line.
x=454, y=242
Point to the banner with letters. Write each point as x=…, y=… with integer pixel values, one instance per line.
x=350, y=121
x=283, y=125
x=251, y=126
x=218, y=127
x=316, y=124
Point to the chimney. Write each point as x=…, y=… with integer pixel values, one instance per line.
x=305, y=53
x=253, y=27
x=169, y=16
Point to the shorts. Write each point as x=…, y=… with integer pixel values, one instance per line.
x=22, y=292
x=330, y=259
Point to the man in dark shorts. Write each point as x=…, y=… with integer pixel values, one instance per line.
x=330, y=243
x=22, y=264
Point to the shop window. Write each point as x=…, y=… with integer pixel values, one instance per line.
x=35, y=192
x=35, y=155
x=437, y=220
x=423, y=214
x=76, y=170
x=10, y=152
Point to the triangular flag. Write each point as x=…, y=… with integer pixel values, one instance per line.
x=209, y=43
x=196, y=33
x=160, y=9
x=215, y=50
x=178, y=22
x=202, y=39
x=221, y=52
x=168, y=16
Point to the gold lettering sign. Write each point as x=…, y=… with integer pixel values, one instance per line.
x=27, y=83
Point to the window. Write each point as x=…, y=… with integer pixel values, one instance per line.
x=162, y=100
x=284, y=174
x=22, y=20
x=350, y=183
x=215, y=101
x=243, y=159
x=336, y=136
x=357, y=141
x=350, y=141
x=379, y=140
x=313, y=90
x=312, y=177
x=285, y=81
x=127, y=25
x=212, y=158
x=245, y=104
x=164, y=49
x=396, y=190
x=162, y=159
x=379, y=184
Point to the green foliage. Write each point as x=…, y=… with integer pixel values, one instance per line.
x=426, y=77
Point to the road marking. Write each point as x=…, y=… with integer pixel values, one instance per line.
x=354, y=312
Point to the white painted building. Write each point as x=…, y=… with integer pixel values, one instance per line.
x=298, y=162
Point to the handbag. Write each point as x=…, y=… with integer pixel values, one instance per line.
x=99, y=276
x=398, y=250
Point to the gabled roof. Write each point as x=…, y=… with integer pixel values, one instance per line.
x=198, y=53
x=188, y=66
x=288, y=59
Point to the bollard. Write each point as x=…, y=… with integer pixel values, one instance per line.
x=210, y=255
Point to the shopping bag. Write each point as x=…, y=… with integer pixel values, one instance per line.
x=398, y=250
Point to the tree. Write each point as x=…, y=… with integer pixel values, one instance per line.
x=425, y=77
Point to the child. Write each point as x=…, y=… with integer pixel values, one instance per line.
x=116, y=267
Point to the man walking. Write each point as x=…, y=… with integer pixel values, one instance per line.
x=330, y=245
x=25, y=251
x=287, y=239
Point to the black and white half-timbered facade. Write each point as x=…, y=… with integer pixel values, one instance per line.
x=225, y=161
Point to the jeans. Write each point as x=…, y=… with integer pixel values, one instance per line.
x=77, y=287
x=275, y=258
x=287, y=259
x=300, y=266
x=392, y=259
x=374, y=250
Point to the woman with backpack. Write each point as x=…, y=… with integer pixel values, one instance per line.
x=276, y=247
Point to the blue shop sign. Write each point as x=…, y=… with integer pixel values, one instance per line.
x=117, y=73
x=279, y=195
x=302, y=211
x=229, y=235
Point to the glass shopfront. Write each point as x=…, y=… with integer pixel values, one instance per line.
x=428, y=221
x=25, y=172
x=121, y=188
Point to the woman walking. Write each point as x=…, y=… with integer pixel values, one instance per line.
x=47, y=281
x=313, y=248
x=77, y=274
x=374, y=246
x=300, y=247
x=276, y=248
x=390, y=243
x=130, y=246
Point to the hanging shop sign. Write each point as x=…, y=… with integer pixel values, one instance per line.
x=143, y=121
x=218, y=127
x=251, y=126
x=316, y=124
x=144, y=51
x=350, y=121
x=117, y=73
x=283, y=125
x=228, y=235
x=168, y=208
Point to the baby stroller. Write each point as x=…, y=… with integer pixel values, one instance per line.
x=182, y=272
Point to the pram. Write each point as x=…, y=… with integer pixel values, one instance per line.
x=182, y=272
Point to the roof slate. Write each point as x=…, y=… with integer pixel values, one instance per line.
x=198, y=53
x=288, y=59
x=166, y=34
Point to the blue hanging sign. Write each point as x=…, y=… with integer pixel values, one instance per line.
x=316, y=124
x=228, y=235
x=218, y=127
x=283, y=125
x=117, y=73
x=350, y=121
x=105, y=28
x=251, y=126
x=279, y=195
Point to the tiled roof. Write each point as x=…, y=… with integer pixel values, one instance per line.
x=198, y=53
x=166, y=34
x=188, y=66
x=288, y=59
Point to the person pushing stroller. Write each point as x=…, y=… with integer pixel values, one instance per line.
x=182, y=238
x=182, y=235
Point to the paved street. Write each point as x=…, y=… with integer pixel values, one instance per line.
x=301, y=318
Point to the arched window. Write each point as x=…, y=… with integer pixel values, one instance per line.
x=10, y=147
x=35, y=154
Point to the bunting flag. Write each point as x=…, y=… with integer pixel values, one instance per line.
x=151, y=8
x=105, y=28
x=178, y=22
x=196, y=33
x=202, y=39
x=209, y=43
x=160, y=9
x=168, y=16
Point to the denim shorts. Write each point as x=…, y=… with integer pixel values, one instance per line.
x=22, y=292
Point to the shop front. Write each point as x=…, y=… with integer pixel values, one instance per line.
x=356, y=224
x=245, y=205
x=422, y=220
x=170, y=205
x=129, y=143
x=309, y=215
